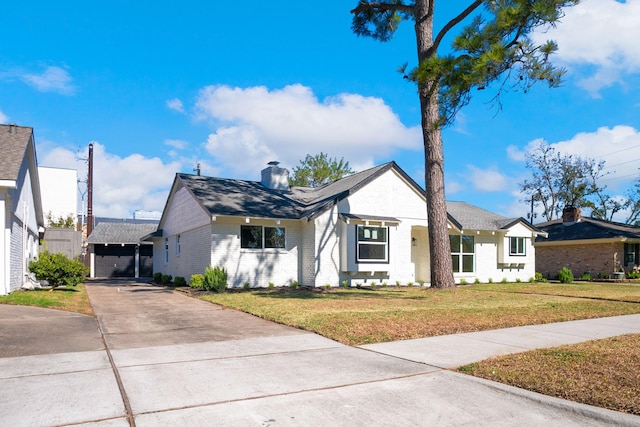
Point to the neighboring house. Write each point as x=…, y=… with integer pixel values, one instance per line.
x=116, y=248
x=370, y=227
x=59, y=189
x=587, y=245
x=21, y=213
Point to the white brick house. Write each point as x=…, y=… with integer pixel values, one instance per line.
x=21, y=216
x=367, y=227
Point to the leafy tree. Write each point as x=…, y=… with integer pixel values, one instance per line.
x=633, y=203
x=60, y=222
x=57, y=269
x=493, y=47
x=317, y=170
x=560, y=181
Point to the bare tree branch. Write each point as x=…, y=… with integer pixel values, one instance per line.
x=455, y=21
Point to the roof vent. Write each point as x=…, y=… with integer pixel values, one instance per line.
x=275, y=177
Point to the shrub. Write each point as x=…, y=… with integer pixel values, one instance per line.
x=384, y=284
x=179, y=281
x=215, y=279
x=166, y=279
x=540, y=277
x=196, y=281
x=504, y=280
x=272, y=285
x=518, y=280
x=585, y=276
x=157, y=277
x=633, y=275
x=420, y=282
x=565, y=275
x=477, y=281
x=246, y=286
x=532, y=279
x=345, y=283
x=57, y=269
x=409, y=284
x=490, y=280
x=296, y=285
x=327, y=286
x=463, y=282
x=397, y=282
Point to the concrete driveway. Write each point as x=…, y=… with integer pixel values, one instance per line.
x=156, y=357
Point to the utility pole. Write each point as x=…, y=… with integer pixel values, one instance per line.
x=90, y=192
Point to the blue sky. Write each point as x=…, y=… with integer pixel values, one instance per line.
x=160, y=86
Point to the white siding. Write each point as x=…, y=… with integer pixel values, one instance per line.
x=308, y=253
x=184, y=213
x=326, y=242
x=194, y=254
x=258, y=267
x=59, y=190
x=184, y=217
x=488, y=247
x=388, y=196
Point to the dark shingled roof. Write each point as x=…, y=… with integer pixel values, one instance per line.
x=119, y=232
x=587, y=229
x=232, y=197
x=471, y=217
x=13, y=144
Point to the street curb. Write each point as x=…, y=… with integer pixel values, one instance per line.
x=607, y=416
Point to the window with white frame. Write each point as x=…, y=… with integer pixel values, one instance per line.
x=259, y=237
x=462, y=253
x=372, y=244
x=178, y=244
x=517, y=246
x=166, y=250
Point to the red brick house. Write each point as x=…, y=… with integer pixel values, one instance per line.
x=587, y=245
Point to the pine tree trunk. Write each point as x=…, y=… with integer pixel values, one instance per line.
x=439, y=249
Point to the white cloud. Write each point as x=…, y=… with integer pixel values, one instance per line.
x=257, y=125
x=487, y=179
x=122, y=185
x=4, y=119
x=176, y=105
x=618, y=147
x=176, y=143
x=601, y=35
x=53, y=79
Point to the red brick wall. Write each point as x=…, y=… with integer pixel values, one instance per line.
x=586, y=258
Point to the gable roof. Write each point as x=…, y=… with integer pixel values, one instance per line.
x=14, y=141
x=469, y=217
x=120, y=232
x=221, y=196
x=587, y=229
x=16, y=146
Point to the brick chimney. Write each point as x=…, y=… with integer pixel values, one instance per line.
x=275, y=177
x=571, y=215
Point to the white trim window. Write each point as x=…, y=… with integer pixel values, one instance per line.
x=517, y=246
x=259, y=237
x=462, y=253
x=178, y=245
x=372, y=244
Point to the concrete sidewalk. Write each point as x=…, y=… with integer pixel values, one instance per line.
x=171, y=360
